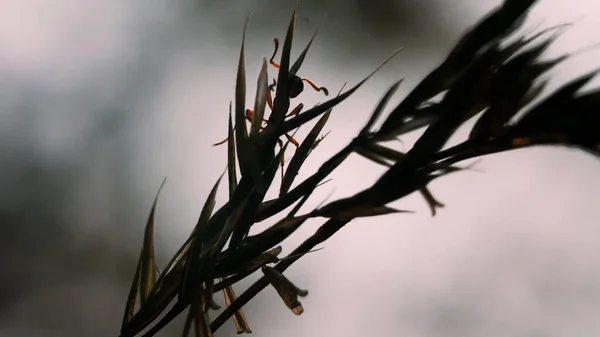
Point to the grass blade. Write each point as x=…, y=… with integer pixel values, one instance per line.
x=260, y=102
x=147, y=262
x=358, y=211
x=246, y=151
x=239, y=319
x=282, y=99
x=302, y=153
x=246, y=268
x=231, y=171
x=241, y=229
x=130, y=304
x=310, y=114
x=379, y=109
x=193, y=266
x=498, y=24
x=296, y=66
x=255, y=245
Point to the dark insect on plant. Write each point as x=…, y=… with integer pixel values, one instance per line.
x=295, y=87
x=296, y=84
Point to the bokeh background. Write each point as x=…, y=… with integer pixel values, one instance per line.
x=102, y=100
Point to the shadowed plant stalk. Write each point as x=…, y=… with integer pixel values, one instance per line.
x=493, y=73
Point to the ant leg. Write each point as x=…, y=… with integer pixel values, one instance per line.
x=316, y=87
x=295, y=111
x=250, y=113
x=221, y=142
x=276, y=42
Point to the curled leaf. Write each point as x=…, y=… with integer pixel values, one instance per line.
x=286, y=289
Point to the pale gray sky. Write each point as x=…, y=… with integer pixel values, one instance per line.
x=121, y=94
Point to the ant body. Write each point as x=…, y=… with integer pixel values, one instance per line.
x=295, y=88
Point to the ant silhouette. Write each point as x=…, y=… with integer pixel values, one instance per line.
x=295, y=88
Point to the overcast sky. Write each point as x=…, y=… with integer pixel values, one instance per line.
x=102, y=100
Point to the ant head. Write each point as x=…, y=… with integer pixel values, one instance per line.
x=296, y=86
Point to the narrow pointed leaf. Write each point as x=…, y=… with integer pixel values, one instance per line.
x=282, y=99
x=178, y=260
x=302, y=153
x=379, y=154
x=379, y=109
x=372, y=156
x=188, y=322
x=423, y=117
x=155, y=305
x=486, y=32
x=246, y=151
x=246, y=269
x=296, y=66
x=231, y=159
x=202, y=325
x=366, y=211
x=257, y=244
x=193, y=264
x=130, y=304
x=309, y=115
x=147, y=262
x=260, y=102
x=241, y=229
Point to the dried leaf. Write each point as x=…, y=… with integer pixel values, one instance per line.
x=286, y=289
x=239, y=319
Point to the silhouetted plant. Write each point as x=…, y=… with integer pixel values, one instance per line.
x=490, y=72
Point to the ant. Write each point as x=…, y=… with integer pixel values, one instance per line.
x=295, y=88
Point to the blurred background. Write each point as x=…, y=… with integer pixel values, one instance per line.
x=102, y=100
